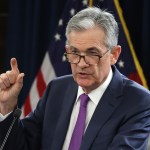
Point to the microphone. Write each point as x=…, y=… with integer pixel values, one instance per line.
x=16, y=115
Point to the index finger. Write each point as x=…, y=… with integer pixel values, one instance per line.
x=14, y=65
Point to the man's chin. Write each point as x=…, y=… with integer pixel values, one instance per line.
x=84, y=85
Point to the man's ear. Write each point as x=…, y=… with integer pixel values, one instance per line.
x=67, y=48
x=115, y=53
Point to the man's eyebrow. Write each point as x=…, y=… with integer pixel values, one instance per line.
x=72, y=47
x=94, y=49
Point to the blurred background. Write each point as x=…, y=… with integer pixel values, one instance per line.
x=33, y=32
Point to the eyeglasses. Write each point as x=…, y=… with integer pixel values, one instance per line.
x=75, y=58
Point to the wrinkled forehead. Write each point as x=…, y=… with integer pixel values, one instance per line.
x=86, y=39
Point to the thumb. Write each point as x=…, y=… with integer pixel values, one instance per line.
x=14, y=65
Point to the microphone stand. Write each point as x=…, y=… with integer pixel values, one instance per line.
x=16, y=115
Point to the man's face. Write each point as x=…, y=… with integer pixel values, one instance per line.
x=90, y=41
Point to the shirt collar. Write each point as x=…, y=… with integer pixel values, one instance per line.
x=97, y=93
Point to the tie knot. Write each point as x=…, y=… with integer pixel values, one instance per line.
x=84, y=100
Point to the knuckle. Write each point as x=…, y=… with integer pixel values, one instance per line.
x=8, y=72
x=11, y=76
x=3, y=76
x=2, y=85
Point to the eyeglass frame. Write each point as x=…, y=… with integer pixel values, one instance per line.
x=83, y=56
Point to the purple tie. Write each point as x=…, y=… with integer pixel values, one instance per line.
x=80, y=124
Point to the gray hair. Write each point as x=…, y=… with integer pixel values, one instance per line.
x=91, y=17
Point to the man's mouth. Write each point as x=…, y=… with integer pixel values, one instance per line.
x=82, y=75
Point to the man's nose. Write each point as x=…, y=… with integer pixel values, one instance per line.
x=82, y=62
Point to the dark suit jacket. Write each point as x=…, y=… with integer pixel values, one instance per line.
x=121, y=120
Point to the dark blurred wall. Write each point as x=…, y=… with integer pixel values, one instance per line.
x=137, y=16
x=3, y=29
x=132, y=11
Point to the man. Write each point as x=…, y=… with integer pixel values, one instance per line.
x=117, y=115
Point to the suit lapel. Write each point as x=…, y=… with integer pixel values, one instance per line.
x=62, y=126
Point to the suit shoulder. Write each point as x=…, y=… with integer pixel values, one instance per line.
x=137, y=92
x=65, y=78
x=134, y=86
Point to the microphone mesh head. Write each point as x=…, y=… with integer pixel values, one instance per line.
x=17, y=113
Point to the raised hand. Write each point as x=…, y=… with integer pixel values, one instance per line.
x=11, y=84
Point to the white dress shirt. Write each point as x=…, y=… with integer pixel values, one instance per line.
x=95, y=97
x=3, y=117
